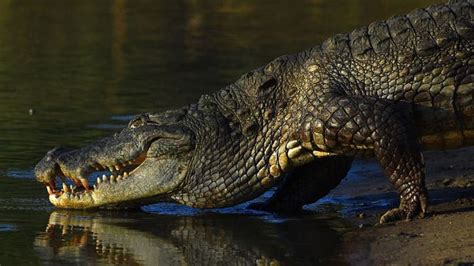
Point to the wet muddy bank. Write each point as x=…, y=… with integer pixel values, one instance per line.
x=445, y=236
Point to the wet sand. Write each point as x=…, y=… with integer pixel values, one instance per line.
x=445, y=236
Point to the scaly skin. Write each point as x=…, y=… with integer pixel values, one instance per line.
x=386, y=90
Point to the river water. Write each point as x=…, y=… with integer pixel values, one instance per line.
x=73, y=71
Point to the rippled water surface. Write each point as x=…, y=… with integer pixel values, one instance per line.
x=73, y=71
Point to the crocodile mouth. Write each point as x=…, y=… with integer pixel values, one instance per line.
x=67, y=184
x=130, y=168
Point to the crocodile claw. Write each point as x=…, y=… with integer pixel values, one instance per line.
x=407, y=211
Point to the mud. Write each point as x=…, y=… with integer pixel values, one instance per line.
x=445, y=236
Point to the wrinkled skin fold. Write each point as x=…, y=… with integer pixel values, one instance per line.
x=387, y=90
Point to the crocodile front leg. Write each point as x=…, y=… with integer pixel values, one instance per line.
x=351, y=124
x=306, y=184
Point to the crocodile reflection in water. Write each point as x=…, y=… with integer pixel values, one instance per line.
x=210, y=239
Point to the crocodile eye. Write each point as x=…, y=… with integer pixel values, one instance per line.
x=138, y=121
x=134, y=124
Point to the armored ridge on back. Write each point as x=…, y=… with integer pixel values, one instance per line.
x=386, y=90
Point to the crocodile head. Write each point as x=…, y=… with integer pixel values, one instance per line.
x=141, y=164
x=214, y=153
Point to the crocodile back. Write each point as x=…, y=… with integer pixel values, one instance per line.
x=423, y=59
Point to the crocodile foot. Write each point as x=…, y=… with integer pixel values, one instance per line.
x=407, y=210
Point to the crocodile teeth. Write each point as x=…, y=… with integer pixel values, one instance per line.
x=76, y=181
x=85, y=183
x=52, y=185
x=111, y=168
x=112, y=178
x=95, y=187
x=65, y=188
x=125, y=174
x=117, y=167
x=104, y=178
x=50, y=191
x=99, y=180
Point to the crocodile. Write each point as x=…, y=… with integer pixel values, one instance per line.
x=388, y=90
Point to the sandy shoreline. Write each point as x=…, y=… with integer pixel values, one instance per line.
x=446, y=236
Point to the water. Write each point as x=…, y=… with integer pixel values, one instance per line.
x=73, y=71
